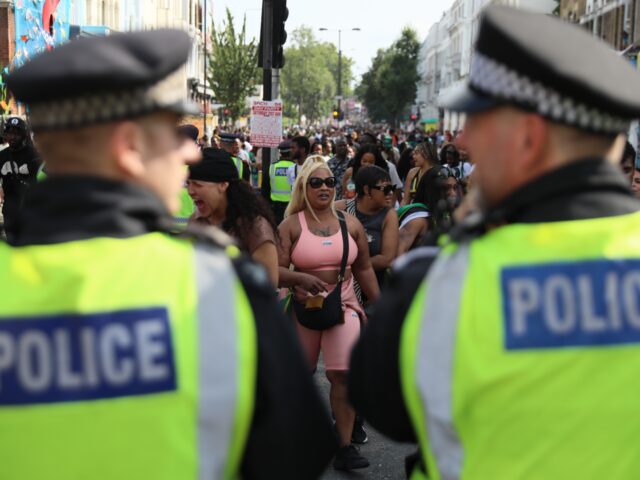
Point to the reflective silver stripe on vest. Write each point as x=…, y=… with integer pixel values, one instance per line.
x=435, y=360
x=217, y=360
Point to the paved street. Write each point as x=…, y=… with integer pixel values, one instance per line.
x=386, y=457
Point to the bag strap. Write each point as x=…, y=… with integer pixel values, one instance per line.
x=345, y=246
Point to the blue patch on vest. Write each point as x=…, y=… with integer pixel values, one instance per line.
x=571, y=304
x=281, y=171
x=67, y=358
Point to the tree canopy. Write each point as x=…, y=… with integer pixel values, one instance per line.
x=310, y=76
x=389, y=87
x=233, y=67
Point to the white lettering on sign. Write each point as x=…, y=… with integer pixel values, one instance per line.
x=582, y=303
x=58, y=361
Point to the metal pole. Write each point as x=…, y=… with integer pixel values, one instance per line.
x=339, y=74
x=267, y=83
x=204, y=28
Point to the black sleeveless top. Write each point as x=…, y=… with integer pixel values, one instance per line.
x=373, y=229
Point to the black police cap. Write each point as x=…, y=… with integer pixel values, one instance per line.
x=229, y=137
x=100, y=79
x=541, y=64
x=285, y=146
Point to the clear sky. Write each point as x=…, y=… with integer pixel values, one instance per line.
x=380, y=20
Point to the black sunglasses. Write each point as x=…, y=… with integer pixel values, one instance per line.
x=316, y=182
x=387, y=189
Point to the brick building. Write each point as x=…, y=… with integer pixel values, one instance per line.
x=7, y=49
x=7, y=32
x=617, y=22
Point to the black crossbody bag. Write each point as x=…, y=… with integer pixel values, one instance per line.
x=329, y=314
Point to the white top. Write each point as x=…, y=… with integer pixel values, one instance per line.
x=292, y=173
x=393, y=173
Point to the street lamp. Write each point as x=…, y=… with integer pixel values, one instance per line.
x=339, y=30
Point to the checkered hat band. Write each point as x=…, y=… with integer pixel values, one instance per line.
x=496, y=80
x=108, y=106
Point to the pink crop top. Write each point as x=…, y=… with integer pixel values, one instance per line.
x=315, y=253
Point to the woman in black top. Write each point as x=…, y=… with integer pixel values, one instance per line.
x=373, y=207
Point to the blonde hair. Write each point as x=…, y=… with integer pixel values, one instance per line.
x=299, y=201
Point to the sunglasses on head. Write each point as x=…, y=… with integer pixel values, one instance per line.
x=387, y=189
x=316, y=182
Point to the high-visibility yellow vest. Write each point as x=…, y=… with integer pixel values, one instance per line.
x=239, y=165
x=187, y=208
x=521, y=351
x=123, y=358
x=280, y=188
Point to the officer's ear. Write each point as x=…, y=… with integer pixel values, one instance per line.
x=532, y=141
x=127, y=147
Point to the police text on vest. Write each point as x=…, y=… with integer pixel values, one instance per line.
x=66, y=358
x=572, y=304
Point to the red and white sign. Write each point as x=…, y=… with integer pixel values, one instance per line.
x=266, y=123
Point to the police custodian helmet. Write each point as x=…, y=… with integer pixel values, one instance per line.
x=541, y=64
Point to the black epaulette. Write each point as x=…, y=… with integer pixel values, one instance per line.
x=472, y=226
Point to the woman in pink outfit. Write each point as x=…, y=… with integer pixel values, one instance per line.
x=311, y=241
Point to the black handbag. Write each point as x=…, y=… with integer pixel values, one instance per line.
x=330, y=313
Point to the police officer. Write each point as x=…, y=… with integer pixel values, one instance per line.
x=517, y=356
x=19, y=164
x=126, y=352
x=230, y=142
x=280, y=187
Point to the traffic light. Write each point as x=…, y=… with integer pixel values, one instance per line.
x=279, y=14
x=336, y=114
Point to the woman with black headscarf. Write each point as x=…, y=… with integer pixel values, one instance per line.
x=225, y=201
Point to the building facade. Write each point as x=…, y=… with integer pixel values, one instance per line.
x=617, y=22
x=19, y=40
x=446, y=55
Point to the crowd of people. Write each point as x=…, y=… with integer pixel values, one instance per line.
x=340, y=214
x=386, y=193
x=153, y=347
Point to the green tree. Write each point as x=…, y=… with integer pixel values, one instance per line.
x=309, y=77
x=232, y=66
x=330, y=53
x=389, y=87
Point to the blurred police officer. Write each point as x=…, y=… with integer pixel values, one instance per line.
x=280, y=187
x=126, y=352
x=517, y=356
x=231, y=143
x=19, y=164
